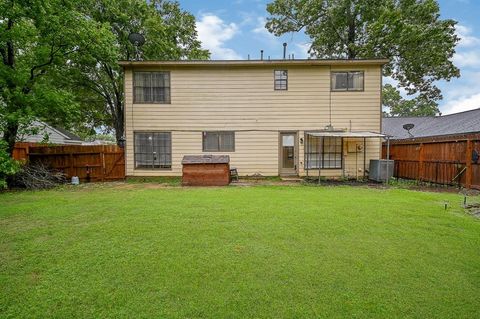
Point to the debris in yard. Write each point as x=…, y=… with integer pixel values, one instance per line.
x=38, y=176
x=75, y=180
x=469, y=192
x=473, y=209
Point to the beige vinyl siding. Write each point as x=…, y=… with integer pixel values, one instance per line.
x=260, y=158
x=243, y=99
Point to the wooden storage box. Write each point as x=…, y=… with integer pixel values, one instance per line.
x=206, y=170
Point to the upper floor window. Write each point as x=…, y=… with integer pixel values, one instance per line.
x=281, y=79
x=219, y=141
x=151, y=87
x=347, y=81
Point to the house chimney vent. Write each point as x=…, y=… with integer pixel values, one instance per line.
x=284, y=50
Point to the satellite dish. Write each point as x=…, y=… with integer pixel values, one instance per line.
x=408, y=127
x=136, y=39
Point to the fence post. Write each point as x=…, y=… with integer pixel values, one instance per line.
x=421, y=168
x=102, y=156
x=468, y=164
x=71, y=164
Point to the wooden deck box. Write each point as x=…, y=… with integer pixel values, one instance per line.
x=206, y=170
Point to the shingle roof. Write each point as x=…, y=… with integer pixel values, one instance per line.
x=457, y=123
x=70, y=135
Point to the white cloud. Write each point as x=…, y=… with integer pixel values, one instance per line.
x=467, y=59
x=260, y=28
x=462, y=94
x=462, y=104
x=301, y=51
x=466, y=37
x=468, y=54
x=213, y=32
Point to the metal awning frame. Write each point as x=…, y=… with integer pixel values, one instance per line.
x=346, y=134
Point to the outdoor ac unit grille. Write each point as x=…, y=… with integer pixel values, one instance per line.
x=381, y=170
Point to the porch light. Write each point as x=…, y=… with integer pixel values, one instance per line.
x=121, y=142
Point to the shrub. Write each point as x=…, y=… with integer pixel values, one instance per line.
x=8, y=166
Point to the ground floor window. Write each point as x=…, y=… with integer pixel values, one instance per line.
x=153, y=150
x=219, y=141
x=323, y=152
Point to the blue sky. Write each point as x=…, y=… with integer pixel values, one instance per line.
x=235, y=29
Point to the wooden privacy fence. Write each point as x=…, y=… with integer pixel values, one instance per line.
x=445, y=161
x=88, y=162
x=20, y=152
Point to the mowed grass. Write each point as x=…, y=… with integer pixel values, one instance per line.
x=237, y=252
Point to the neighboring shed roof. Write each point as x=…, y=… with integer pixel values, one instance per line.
x=206, y=159
x=38, y=130
x=452, y=124
x=68, y=134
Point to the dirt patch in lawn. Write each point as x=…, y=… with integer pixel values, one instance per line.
x=473, y=209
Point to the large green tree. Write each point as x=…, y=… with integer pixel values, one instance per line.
x=39, y=41
x=410, y=33
x=169, y=32
x=398, y=106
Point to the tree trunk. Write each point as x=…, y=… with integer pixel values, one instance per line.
x=119, y=120
x=351, y=33
x=11, y=129
x=10, y=137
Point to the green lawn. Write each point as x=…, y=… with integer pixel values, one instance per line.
x=237, y=252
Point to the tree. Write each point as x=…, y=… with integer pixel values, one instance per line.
x=8, y=166
x=410, y=33
x=397, y=106
x=170, y=35
x=39, y=40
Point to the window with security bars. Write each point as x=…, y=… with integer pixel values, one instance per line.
x=151, y=87
x=347, y=81
x=323, y=152
x=281, y=79
x=153, y=150
x=219, y=141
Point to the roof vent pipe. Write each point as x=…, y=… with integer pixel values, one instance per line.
x=261, y=54
x=293, y=56
x=284, y=50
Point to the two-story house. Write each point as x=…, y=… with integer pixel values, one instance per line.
x=273, y=117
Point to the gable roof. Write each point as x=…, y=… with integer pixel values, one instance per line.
x=37, y=130
x=452, y=124
x=68, y=134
